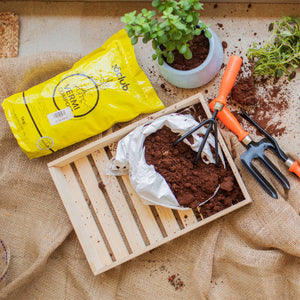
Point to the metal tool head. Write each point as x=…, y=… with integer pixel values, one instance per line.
x=212, y=126
x=278, y=150
x=256, y=150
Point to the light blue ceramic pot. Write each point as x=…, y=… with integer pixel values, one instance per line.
x=202, y=74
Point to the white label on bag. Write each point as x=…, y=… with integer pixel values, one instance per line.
x=60, y=116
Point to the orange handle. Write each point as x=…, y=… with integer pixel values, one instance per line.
x=229, y=77
x=295, y=168
x=230, y=121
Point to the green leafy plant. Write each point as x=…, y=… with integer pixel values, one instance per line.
x=281, y=53
x=171, y=26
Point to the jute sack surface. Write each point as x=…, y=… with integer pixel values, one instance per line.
x=253, y=253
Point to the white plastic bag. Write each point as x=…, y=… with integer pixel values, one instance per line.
x=130, y=157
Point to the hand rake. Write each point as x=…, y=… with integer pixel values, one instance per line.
x=227, y=83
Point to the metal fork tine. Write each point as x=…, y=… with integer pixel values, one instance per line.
x=212, y=125
x=208, y=130
x=260, y=179
x=216, y=143
x=190, y=132
x=274, y=170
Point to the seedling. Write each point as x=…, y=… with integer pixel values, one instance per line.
x=281, y=53
x=171, y=26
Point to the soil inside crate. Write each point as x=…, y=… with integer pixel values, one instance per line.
x=191, y=183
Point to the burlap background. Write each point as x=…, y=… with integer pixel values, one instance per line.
x=251, y=254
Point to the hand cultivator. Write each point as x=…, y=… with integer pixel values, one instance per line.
x=255, y=150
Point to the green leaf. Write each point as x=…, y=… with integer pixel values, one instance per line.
x=176, y=35
x=186, y=5
x=197, y=31
x=189, y=19
x=140, y=19
x=183, y=49
x=130, y=32
x=198, y=6
x=170, y=57
x=168, y=11
x=146, y=38
x=155, y=3
x=170, y=45
x=134, y=40
x=160, y=61
x=208, y=34
x=279, y=73
x=144, y=11
x=152, y=14
x=155, y=44
x=188, y=54
x=180, y=25
x=162, y=39
x=161, y=7
x=146, y=28
x=154, y=56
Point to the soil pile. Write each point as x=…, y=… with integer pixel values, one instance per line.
x=244, y=92
x=191, y=184
x=262, y=100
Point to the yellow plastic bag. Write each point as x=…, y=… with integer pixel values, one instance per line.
x=103, y=88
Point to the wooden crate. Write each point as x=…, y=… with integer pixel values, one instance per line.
x=112, y=224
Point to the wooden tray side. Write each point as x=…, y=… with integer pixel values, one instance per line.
x=109, y=218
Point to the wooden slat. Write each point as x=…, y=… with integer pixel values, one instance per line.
x=101, y=208
x=81, y=217
x=119, y=202
x=168, y=219
x=145, y=214
x=187, y=217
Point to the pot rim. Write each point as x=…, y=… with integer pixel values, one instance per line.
x=201, y=66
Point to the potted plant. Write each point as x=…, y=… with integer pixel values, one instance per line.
x=174, y=29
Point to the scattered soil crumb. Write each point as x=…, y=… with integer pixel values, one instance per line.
x=101, y=185
x=265, y=101
x=176, y=281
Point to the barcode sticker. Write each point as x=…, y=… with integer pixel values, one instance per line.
x=60, y=116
